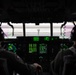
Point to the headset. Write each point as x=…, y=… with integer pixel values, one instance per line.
x=73, y=34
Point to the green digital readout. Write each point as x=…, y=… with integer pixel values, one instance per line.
x=46, y=39
x=32, y=48
x=35, y=38
x=43, y=48
x=54, y=38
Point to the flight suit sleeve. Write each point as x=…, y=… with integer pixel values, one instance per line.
x=57, y=63
x=17, y=64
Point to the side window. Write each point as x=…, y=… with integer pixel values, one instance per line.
x=18, y=30
x=64, y=32
x=7, y=30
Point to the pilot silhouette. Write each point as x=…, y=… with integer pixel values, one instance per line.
x=58, y=62
x=15, y=63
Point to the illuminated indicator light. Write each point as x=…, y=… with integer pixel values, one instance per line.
x=35, y=38
x=52, y=38
x=46, y=38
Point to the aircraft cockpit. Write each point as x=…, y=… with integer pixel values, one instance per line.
x=39, y=44
x=37, y=30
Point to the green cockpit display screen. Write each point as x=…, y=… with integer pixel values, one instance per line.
x=32, y=48
x=42, y=48
x=11, y=47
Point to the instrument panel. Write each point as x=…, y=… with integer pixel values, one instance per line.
x=37, y=49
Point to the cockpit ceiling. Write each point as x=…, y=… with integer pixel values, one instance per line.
x=37, y=11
